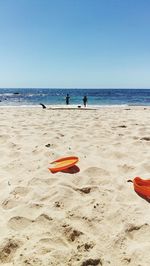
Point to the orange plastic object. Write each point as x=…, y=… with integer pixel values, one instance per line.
x=63, y=163
x=142, y=187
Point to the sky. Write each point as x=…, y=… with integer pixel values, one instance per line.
x=74, y=44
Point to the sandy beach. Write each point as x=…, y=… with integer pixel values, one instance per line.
x=90, y=217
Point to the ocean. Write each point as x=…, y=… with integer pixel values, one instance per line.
x=96, y=97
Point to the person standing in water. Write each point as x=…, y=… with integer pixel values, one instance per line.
x=85, y=101
x=67, y=99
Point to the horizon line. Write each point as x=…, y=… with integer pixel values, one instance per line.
x=78, y=88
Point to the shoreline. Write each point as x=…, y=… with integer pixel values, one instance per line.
x=75, y=107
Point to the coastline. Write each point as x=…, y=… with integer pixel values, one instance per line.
x=89, y=215
x=74, y=107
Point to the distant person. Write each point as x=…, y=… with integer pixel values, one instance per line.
x=67, y=99
x=85, y=101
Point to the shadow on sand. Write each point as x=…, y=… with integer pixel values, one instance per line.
x=71, y=170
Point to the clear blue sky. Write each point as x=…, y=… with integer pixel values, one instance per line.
x=75, y=43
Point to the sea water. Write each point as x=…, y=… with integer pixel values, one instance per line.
x=96, y=97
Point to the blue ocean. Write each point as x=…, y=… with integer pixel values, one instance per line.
x=96, y=97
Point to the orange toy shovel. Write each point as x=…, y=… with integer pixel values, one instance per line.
x=141, y=186
x=63, y=164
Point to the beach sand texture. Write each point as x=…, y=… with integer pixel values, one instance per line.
x=90, y=217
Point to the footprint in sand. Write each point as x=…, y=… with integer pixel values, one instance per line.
x=48, y=244
x=126, y=168
x=9, y=204
x=130, y=233
x=8, y=250
x=19, y=223
x=138, y=231
x=97, y=176
x=20, y=191
x=43, y=218
x=124, y=242
x=12, y=200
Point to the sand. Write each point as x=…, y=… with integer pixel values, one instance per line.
x=91, y=216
